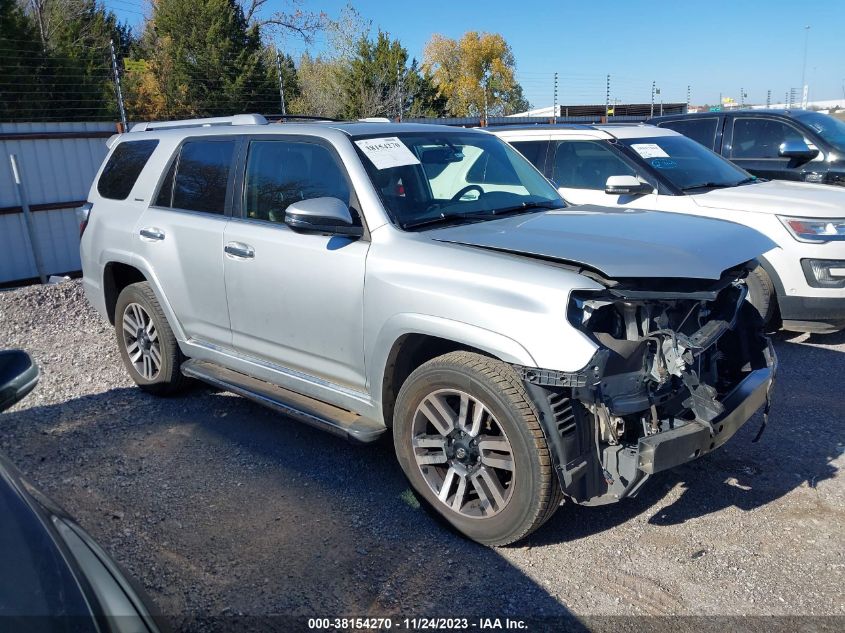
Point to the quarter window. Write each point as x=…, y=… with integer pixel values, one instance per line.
x=279, y=173
x=123, y=168
x=198, y=179
x=761, y=138
x=587, y=165
x=702, y=130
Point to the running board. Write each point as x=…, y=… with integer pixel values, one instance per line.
x=313, y=412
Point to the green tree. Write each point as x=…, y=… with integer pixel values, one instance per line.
x=56, y=59
x=206, y=60
x=380, y=82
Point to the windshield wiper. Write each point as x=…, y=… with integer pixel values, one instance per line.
x=721, y=185
x=476, y=215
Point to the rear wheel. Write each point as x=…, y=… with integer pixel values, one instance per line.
x=762, y=295
x=147, y=344
x=468, y=439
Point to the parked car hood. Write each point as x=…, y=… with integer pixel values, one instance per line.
x=619, y=243
x=778, y=196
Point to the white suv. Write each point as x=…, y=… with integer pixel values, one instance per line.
x=800, y=284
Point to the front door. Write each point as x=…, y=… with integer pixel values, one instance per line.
x=755, y=143
x=295, y=299
x=581, y=167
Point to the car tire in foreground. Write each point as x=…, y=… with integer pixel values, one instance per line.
x=146, y=342
x=468, y=439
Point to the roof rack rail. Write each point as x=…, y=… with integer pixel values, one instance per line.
x=238, y=119
x=278, y=118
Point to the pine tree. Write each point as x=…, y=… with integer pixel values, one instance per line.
x=207, y=60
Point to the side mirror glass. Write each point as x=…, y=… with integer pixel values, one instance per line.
x=18, y=376
x=326, y=216
x=797, y=149
x=626, y=185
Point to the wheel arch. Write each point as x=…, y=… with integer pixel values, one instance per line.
x=407, y=341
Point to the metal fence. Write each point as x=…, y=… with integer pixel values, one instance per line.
x=57, y=163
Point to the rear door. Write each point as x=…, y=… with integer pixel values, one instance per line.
x=180, y=236
x=753, y=143
x=295, y=299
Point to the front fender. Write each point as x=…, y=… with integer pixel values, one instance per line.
x=406, y=323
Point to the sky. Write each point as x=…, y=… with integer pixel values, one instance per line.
x=716, y=47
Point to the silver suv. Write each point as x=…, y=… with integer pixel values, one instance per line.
x=363, y=277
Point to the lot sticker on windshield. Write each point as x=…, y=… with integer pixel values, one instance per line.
x=387, y=152
x=649, y=150
x=663, y=163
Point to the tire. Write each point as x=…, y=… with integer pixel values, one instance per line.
x=762, y=295
x=527, y=495
x=153, y=362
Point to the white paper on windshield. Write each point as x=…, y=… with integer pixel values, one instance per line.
x=649, y=150
x=387, y=152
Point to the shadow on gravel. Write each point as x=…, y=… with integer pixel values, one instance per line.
x=224, y=509
x=803, y=437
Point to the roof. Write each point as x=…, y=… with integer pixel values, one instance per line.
x=257, y=124
x=743, y=111
x=612, y=130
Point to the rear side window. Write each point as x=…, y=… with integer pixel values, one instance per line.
x=701, y=130
x=123, y=168
x=199, y=177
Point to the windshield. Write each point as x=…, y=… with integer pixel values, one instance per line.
x=829, y=128
x=430, y=178
x=685, y=163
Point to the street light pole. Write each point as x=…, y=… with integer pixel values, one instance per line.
x=804, y=64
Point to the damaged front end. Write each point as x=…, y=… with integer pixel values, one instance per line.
x=681, y=366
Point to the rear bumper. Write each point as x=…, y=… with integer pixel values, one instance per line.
x=671, y=448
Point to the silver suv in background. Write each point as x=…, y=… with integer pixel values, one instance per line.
x=366, y=277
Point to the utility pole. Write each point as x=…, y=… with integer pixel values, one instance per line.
x=554, y=103
x=804, y=63
x=742, y=97
x=281, y=83
x=688, y=97
x=768, y=98
x=653, y=85
x=607, y=99
x=117, y=88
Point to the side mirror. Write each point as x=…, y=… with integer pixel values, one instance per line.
x=18, y=376
x=797, y=149
x=326, y=216
x=626, y=185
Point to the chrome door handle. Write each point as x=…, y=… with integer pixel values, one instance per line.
x=151, y=233
x=239, y=250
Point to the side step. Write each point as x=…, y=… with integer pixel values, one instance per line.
x=316, y=413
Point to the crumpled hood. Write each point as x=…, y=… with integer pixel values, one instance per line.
x=778, y=196
x=619, y=243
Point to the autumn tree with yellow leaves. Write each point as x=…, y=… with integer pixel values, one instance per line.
x=476, y=74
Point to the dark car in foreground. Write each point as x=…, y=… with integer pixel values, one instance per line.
x=53, y=576
x=775, y=144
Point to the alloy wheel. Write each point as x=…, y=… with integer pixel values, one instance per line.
x=141, y=341
x=463, y=453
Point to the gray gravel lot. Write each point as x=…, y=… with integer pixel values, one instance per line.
x=219, y=506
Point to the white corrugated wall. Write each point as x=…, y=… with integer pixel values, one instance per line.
x=54, y=170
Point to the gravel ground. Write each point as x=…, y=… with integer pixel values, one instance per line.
x=221, y=507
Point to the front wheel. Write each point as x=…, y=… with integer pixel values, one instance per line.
x=468, y=439
x=762, y=295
